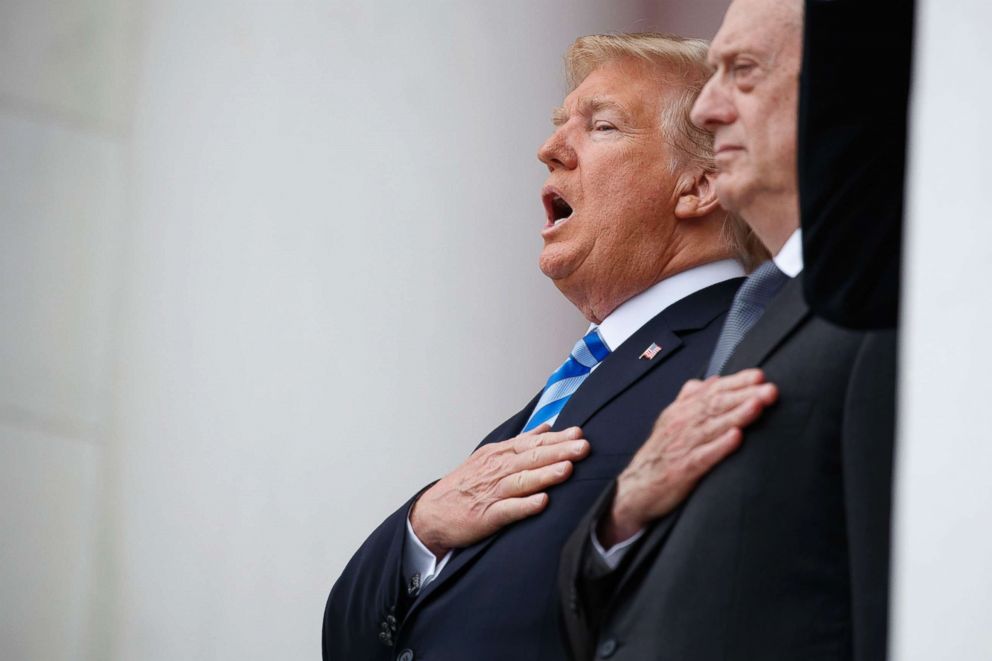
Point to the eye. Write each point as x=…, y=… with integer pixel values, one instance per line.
x=603, y=126
x=742, y=70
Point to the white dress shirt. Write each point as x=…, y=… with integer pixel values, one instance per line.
x=420, y=567
x=789, y=261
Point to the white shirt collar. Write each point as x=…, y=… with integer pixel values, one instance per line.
x=639, y=310
x=789, y=259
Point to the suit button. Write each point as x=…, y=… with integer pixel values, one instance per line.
x=607, y=648
x=405, y=655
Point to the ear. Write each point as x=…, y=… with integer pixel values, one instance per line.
x=697, y=196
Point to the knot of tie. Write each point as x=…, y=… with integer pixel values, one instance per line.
x=564, y=381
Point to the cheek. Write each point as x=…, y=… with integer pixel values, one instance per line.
x=629, y=185
x=650, y=194
x=777, y=134
x=729, y=184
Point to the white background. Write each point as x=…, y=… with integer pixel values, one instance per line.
x=943, y=564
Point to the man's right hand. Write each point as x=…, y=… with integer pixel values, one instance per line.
x=694, y=433
x=500, y=483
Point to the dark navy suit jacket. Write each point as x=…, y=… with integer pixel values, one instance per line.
x=497, y=599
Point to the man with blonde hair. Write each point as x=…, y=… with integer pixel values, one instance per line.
x=635, y=238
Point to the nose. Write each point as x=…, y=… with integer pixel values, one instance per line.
x=712, y=107
x=557, y=152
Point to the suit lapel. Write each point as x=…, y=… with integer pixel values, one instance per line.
x=784, y=314
x=621, y=369
x=618, y=372
x=782, y=317
x=625, y=365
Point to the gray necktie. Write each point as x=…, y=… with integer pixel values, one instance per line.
x=749, y=304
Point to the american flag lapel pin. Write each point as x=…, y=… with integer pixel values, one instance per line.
x=650, y=352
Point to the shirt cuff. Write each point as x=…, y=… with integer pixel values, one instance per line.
x=616, y=553
x=420, y=567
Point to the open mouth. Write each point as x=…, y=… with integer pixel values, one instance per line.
x=557, y=209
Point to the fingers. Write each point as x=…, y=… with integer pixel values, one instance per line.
x=701, y=459
x=691, y=387
x=721, y=402
x=574, y=450
x=535, y=439
x=705, y=409
x=742, y=414
x=527, y=482
x=748, y=377
x=744, y=378
x=540, y=429
x=510, y=510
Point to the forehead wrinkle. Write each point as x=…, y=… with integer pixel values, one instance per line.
x=727, y=46
x=785, y=21
x=725, y=52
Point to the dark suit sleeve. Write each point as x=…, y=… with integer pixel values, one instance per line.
x=854, y=92
x=869, y=426
x=587, y=586
x=585, y=583
x=371, y=589
x=367, y=594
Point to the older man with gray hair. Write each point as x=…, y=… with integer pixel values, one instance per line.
x=635, y=238
x=781, y=552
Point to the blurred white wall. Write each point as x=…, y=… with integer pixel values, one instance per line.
x=943, y=563
x=64, y=90
x=266, y=268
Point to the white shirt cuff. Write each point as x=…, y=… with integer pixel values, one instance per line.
x=617, y=552
x=420, y=567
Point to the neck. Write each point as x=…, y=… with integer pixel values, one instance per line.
x=773, y=223
x=599, y=303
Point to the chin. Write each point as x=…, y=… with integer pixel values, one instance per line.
x=554, y=264
x=728, y=194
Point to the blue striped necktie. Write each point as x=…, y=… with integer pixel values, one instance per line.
x=586, y=354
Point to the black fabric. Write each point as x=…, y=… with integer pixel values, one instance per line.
x=782, y=551
x=854, y=92
x=497, y=600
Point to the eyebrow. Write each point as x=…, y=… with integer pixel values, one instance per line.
x=588, y=106
x=721, y=53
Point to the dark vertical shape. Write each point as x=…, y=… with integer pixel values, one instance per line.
x=854, y=93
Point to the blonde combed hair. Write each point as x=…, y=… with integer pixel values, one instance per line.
x=682, y=63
